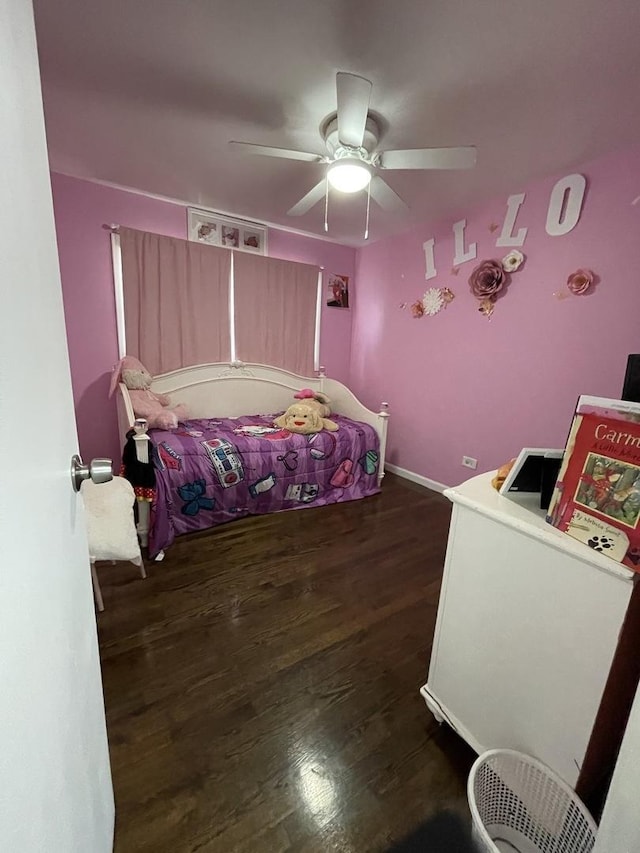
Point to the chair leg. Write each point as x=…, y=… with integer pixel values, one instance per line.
x=97, y=592
x=138, y=561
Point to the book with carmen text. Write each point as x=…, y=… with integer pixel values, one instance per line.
x=596, y=498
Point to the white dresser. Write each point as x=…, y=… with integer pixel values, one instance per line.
x=528, y=623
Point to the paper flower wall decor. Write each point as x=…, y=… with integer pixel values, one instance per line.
x=580, y=281
x=486, y=307
x=490, y=278
x=486, y=282
x=513, y=261
x=561, y=294
x=447, y=295
x=433, y=301
x=417, y=309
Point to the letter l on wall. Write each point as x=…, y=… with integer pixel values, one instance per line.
x=507, y=237
x=460, y=255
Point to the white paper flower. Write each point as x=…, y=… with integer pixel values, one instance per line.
x=513, y=261
x=432, y=301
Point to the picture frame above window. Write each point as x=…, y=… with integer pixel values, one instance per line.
x=207, y=226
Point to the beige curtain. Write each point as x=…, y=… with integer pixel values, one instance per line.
x=176, y=300
x=275, y=312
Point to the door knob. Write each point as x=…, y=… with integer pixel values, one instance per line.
x=98, y=470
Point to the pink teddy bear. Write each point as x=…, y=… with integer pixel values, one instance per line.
x=156, y=408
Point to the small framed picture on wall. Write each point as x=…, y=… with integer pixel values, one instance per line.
x=206, y=226
x=337, y=290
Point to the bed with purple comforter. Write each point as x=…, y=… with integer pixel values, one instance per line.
x=212, y=471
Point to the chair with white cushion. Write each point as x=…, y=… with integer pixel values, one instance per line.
x=111, y=526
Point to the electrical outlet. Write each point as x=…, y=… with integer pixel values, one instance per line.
x=469, y=462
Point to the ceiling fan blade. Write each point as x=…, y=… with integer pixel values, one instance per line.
x=307, y=201
x=429, y=158
x=354, y=94
x=269, y=151
x=387, y=198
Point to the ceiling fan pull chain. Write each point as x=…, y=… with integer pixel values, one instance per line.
x=366, y=225
x=326, y=204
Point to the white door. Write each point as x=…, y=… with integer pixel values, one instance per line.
x=55, y=781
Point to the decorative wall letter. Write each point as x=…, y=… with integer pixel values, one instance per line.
x=507, y=237
x=568, y=193
x=460, y=255
x=430, y=264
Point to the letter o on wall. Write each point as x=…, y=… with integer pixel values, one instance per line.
x=565, y=205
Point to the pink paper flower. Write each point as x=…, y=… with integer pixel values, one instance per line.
x=487, y=280
x=580, y=281
x=417, y=309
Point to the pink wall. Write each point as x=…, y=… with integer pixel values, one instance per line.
x=81, y=208
x=459, y=384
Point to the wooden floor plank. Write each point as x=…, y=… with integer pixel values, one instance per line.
x=261, y=685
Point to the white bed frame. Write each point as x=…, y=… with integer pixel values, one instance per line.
x=228, y=390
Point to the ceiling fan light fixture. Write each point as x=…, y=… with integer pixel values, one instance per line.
x=349, y=175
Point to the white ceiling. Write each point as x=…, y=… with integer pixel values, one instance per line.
x=147, y=94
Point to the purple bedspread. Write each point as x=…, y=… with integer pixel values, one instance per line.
x=212, y=471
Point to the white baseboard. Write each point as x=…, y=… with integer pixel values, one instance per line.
x=434, y=485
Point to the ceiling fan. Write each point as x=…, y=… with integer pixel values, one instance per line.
x=351, y=137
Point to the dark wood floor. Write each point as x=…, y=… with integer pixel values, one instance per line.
x=262, y=684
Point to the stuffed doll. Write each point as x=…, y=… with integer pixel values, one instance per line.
x=304, y=419
x=316, y=399
x=156, y=408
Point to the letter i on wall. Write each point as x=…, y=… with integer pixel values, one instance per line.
x=429, y=260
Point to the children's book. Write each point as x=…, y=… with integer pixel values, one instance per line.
x=596, y=498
